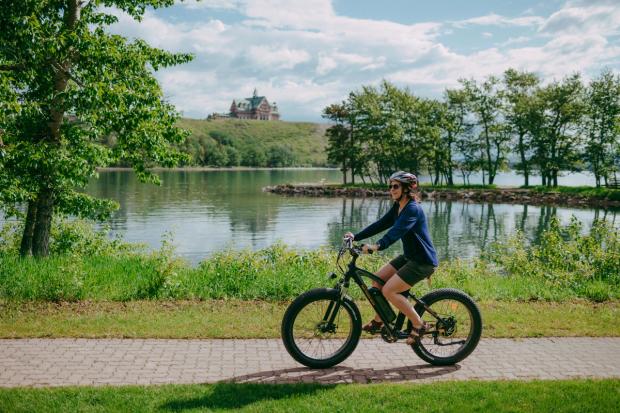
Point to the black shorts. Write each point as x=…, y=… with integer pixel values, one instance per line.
x=411, y=271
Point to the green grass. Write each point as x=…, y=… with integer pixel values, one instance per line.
x=582, y=191
x=501, y=396
x=586, y=191
x=261, y=319
x=306, y=140
x=279, y=273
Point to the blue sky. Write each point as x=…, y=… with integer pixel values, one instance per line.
x=306, y=54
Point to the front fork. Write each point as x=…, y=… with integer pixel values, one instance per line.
x=327, y=324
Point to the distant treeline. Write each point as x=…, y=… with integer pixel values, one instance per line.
x=542, y=129
x=233, y=142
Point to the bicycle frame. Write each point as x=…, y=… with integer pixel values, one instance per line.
x=393, y=329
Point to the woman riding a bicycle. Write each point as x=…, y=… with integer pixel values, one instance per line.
x=405, y=220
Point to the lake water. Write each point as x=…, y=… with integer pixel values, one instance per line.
x=210, y=211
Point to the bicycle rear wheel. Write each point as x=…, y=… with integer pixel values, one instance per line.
x=457, y=332
x=319, y=329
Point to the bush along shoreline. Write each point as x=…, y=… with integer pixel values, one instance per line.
x=569, y=196
x=566, y=264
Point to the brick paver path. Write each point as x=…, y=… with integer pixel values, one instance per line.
x=61, y=362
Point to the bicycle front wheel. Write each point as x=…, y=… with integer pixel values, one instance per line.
x=319, y=329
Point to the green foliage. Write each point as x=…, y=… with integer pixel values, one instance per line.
x=280, y=155
x=587, y=191
x=68, y=237
x=602, y=125
x=66, y=87
x=253, y=156
x=565, y=259
x=479, y=127
x=566, y=264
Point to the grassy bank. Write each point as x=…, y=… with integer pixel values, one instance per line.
x=261, y=319
x=233, y=142
x=565, y=265
x=587, y=191
x=578, y=191
x=503, y=396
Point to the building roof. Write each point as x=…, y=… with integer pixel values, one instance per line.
x=249, y=103
x=252, y=103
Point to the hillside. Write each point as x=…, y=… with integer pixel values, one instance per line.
x=233, y=142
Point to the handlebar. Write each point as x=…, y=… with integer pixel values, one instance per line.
x=355, y=250
x=347, y=243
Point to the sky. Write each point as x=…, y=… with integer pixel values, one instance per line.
x=307, y=54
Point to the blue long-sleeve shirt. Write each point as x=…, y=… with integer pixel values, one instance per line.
x=410, y=226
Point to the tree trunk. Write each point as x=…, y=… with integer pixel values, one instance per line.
x=26, y=244
x=45, y=197
x=527, y=177
x=41, y=233
x=526, y=172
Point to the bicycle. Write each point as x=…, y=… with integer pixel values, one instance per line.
x=322, y=326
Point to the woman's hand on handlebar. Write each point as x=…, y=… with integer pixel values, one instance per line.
x=369, y=248
x=349, y=235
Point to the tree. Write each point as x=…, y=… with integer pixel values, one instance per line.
x=602, y=116
x=469, y=150
x=373, y=131
x=558, y=141
x=426, y=145
x=253, y=156
x=518, y=96
x=65, y=85
x=454, y=126
x=280, y=155
x=215, y=155
x=485, y=104
x=340, y=145
x=385, y=120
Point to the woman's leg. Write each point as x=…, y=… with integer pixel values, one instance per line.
x=391, y=291
x=385, y=273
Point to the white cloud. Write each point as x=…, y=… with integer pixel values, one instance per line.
x=305, y=56
x=602, y=19
x=211, y=4
x=497, y=20
x=277, y=58
x=515, y=40
x=326, y=64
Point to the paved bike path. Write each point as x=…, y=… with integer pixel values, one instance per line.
x=63, y=362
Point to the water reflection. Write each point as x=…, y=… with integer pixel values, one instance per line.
x=208, y=211
x=460, y=229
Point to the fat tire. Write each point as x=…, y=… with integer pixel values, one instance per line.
x=450, y=293
x=291, y=314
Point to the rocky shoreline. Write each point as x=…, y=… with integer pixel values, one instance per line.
x=499, y=195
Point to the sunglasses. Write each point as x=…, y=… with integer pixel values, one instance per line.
x=394, y=186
